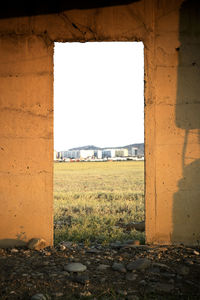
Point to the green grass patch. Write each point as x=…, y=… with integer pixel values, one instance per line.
x=94, y=200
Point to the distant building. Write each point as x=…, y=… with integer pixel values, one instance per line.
x=86, y=154
x=81, y=154
x=59, y=154
x=98, y=154
x=133, y=151
x=55, y=155
x=121, y=152
x=73, y=154
x=111, y=153
x=107, y=153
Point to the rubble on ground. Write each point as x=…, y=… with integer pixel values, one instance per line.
x=118, y=271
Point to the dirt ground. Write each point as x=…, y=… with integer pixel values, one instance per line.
x=117, y=271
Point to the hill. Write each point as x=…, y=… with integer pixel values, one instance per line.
x=88, y=147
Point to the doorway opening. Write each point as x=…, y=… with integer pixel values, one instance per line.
x=99, y=142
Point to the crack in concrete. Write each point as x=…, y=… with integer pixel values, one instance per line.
x=45, y=37
x=24, y=74
x=139, y=19
x=77, y=26
x=72, y=23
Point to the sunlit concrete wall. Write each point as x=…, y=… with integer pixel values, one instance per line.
x=26, y=138
x=177, y=117
x=170, y=32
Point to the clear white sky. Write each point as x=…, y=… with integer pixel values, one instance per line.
x=98, y=94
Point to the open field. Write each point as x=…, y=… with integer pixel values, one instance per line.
x=94, y=201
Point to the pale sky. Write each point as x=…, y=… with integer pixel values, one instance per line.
x=98, y=94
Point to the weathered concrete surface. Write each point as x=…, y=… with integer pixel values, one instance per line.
x=26, y=138
x=170, y=32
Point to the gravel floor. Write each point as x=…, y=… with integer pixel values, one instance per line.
x=118, y=271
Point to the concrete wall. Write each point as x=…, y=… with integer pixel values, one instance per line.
x=26, y=138
x=177, y=122
x=170, y=31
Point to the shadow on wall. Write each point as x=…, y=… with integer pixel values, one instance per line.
x=186, y=207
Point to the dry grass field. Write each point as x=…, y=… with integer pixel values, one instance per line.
x=94, y=201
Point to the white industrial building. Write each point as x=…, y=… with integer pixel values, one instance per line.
x=75, y=154
x=111, y=153
x=81, y=154
x=55, y=155
x=86, y=154
x=133, y=151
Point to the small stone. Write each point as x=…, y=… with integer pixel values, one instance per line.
x=14, y=250
x=36, y=244
x=93, y=250
x=143, y=282
x=86, y=294
x=189, y=262
x=161, y=266
x=58, y=294
x=163, y=249
x=66, y=244
x=40, y=297
x=12, y=292
x=62, y=247
x=139, y=264
x=131, y=276
x=75, y=267
x=119, y=267
x=163, y=287
x=183, y=270
x=53, y=275
x=168, y=275
x=103, y=267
